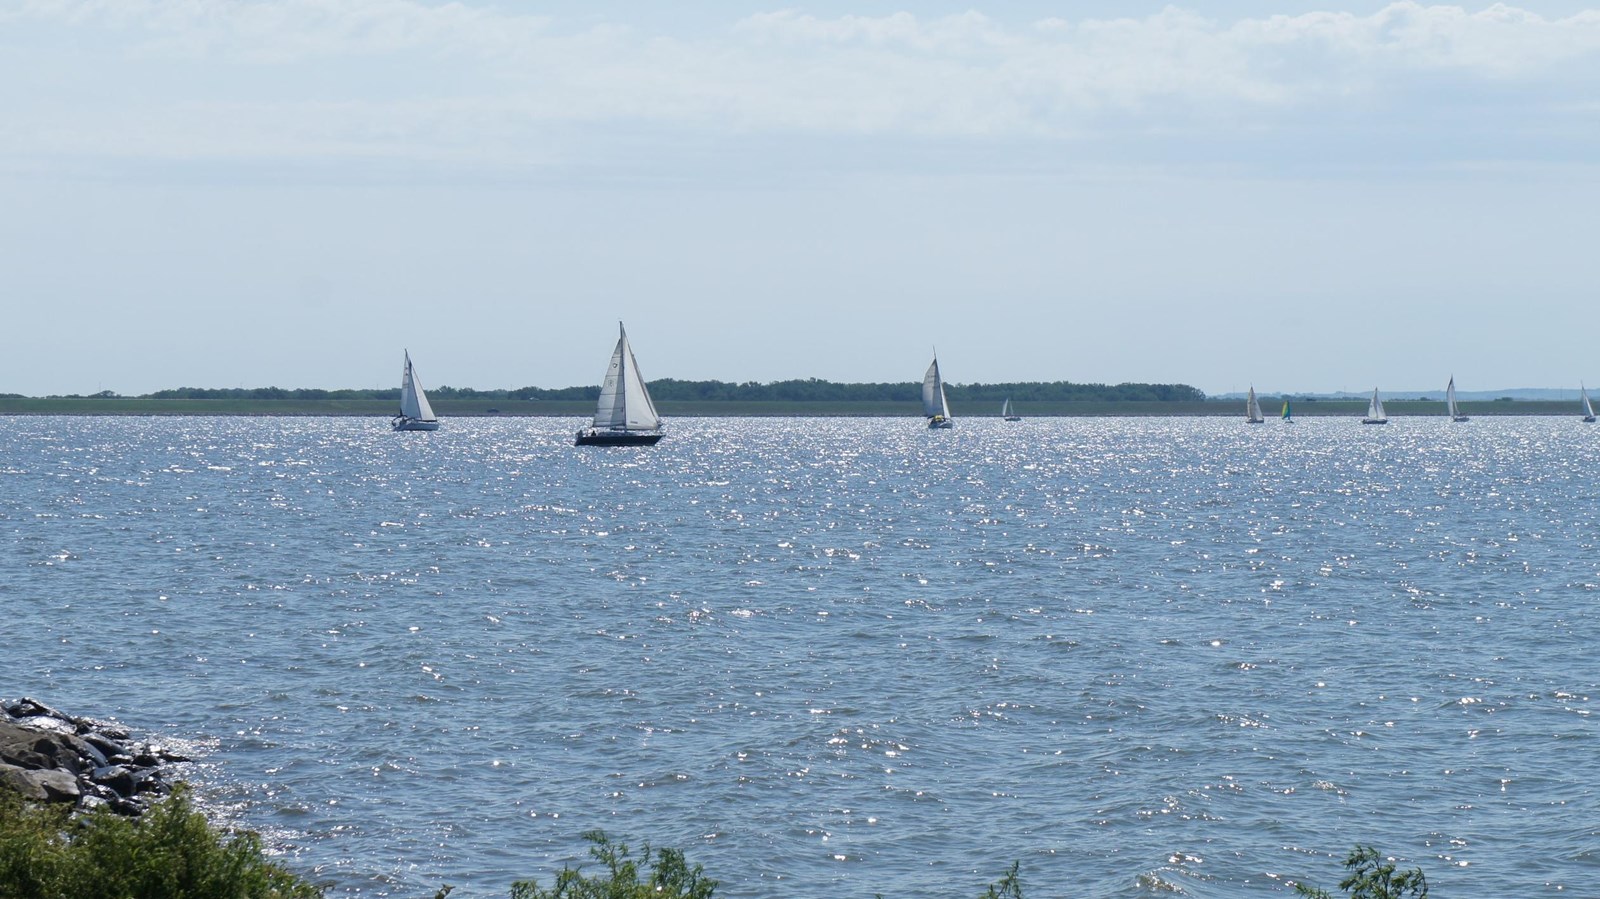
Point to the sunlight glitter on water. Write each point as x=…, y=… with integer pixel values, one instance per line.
x=1091, y=645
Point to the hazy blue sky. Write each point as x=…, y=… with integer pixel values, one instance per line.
x=1303, y=196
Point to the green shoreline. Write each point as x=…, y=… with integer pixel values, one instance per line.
x=471, y=408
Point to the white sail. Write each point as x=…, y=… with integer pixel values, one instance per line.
x=933, y=401
x=1450, y=398
x=624, y=402
x=1005, y=410
x=1375, y=408
x=413, y=401
x=1588, y=410
x=1252, y=408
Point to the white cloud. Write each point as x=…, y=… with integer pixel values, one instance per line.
x=338, y=78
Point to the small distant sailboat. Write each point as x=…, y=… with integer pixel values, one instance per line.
x=1007, y=413
x=934, y=405
x=415, y=413
x=1288, y=414
x=1252, y=409
x=1375, y=414
x=624, y=416
x=1450, y=401
x=1588, y=410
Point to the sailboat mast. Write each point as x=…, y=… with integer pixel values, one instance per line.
x=620, y=414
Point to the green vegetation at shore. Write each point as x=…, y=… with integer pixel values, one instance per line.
x=171, y=852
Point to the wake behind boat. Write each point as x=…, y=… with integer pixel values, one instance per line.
x=934, y=405
x=1375, y=415
x=415, y=413
x=624, y=416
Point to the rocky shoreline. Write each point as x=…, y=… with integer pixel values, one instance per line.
x=50, y=756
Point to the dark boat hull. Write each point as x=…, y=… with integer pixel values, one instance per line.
x=618, y=438
x=414, y=424
x=1374, y=421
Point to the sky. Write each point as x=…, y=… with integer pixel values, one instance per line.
x=1301, y=196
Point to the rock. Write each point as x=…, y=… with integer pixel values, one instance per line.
x=17, y=746
x=47, y=723
x=51, y=757
x=112, y=731
x=28, y=708
x=100, y=740
x=15, y=778
x=87, y=751
x=117, y=777
x=49, y=785
x=92, y=803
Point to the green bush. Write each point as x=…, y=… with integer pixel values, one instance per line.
x=171, y=852
x=1371, y=877
x=670, y=876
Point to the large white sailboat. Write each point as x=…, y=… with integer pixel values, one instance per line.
x=934, y=405
x=625, y=416
x=1007, y=413
x=1252, y=408
x=415, y=413
x=1375, y=414
x=1588, y=410
x=1450, y=401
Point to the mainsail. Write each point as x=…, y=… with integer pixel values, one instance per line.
x=413, y=402
x=1252, y=408
x=933, y=401
x=1375, y=408
x=624, y=402
x=1452, y=409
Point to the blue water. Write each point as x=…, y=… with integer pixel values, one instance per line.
x=838, y=657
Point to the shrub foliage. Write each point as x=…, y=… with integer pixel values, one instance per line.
x=171, y=852
x=1371, y=876
x=670, y=877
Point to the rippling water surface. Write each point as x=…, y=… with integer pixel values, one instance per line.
x=839, y=657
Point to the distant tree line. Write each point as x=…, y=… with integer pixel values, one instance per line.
x=271, y=393
x=800, y=390
x=811, y=390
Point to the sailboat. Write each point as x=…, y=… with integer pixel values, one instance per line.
x=1588, y=410
x=625, y=416
x=415, y=413
x=1450, y=401
x=1007, y=413
x=1252, y=409
x=934, y=404
x=1288, y=414
x=1375, y=414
